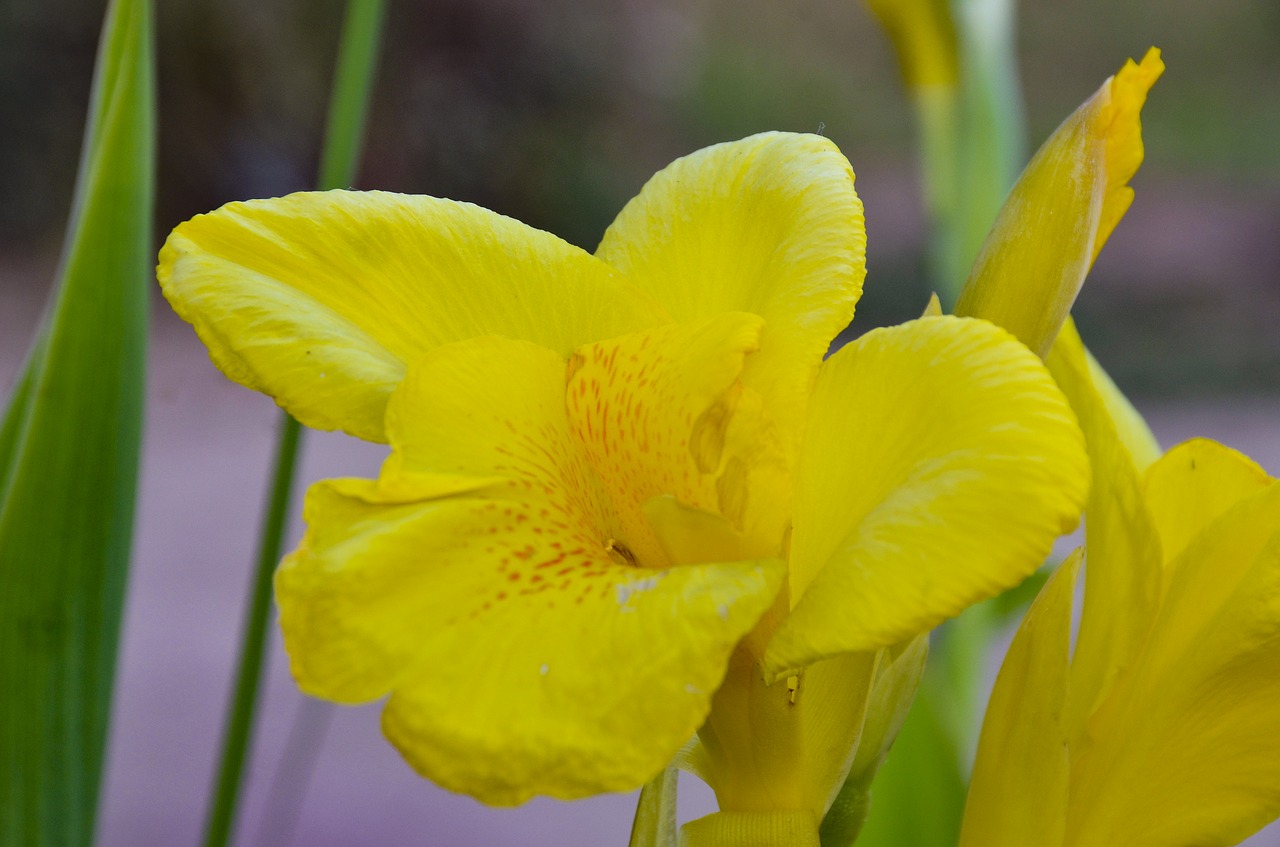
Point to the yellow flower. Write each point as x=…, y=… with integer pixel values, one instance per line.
x=1161, y=728
x=614, y=476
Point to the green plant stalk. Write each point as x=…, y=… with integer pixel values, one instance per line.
x=938, y=118
x=991, y=148
x=344, y=133
x=69, y=448
x=239, y=729
x=352, y=89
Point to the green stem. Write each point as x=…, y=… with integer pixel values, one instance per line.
x=344, y=133
x=352, y=87
x=937, y=111
x=244, y=699
x=992, y=146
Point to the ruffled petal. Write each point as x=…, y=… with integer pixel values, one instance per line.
x=479, y=581
x=769, y=225
x=939, y=464
x=322, y=299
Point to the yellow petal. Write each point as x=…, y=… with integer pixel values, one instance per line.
x=1018, y=793
x=478, y=582
x=939, y=464
x=1122, y=128
x=1192, y=485
x=1186, y=749
x=1123, y=576
x=690, y=535
x=768, y=225
x=1061, y=211
x=1132, y=429
x=322, y=299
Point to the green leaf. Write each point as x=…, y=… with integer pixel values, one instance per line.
x=15, y=417
x=69, y=449
x=655, y=821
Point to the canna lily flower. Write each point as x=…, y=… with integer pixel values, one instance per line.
x=1160, y=728
x=626, y=496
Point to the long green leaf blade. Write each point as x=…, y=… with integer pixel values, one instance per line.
x=15, y=416
x=69, y=451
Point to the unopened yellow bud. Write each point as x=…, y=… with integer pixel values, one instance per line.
x=924, y=36
x=1061, y=211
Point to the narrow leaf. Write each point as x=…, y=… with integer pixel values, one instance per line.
x=13, y=424
x=68, y=465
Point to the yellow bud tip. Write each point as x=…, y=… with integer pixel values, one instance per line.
x=934, y=307
x=1061, y=211
x=1122, y=128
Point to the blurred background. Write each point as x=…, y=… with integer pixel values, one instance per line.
x=555, y=112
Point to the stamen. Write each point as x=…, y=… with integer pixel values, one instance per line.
x=620, y=553
x=793, y=688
